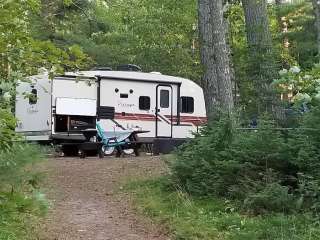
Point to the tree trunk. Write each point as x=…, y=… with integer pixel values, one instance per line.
x=216, y=80
x=209, y=79
x=316, y=9
x=257, y=24
x=262, y=69
x=222, y=56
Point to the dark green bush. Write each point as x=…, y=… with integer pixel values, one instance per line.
x=271, y=197
x=261, y=167
x=13, y=163
x=7, y=129
x=21, y=203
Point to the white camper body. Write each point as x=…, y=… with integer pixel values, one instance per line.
x=165, y=106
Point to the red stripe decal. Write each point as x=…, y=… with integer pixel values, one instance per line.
x=197, y=121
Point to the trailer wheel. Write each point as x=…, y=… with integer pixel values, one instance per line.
x=136, y=152
x=82, y=154
x=101, y=153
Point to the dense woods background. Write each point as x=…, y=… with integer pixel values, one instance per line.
x=253, y=42
x=258, y=62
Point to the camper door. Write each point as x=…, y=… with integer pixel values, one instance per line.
x=164, y=111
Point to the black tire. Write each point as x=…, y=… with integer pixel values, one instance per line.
x=82, y=154
x=118, y=151
x=137, y=152
x=101, y=153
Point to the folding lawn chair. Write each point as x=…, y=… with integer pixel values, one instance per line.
x=109, y=142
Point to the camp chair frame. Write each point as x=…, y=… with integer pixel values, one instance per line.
x=109, y=142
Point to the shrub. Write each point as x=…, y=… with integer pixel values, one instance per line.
x=223, y=154
x=13, y=164
x=21, y=203
x=7, y=129
x=261, y=167
x=271, y=197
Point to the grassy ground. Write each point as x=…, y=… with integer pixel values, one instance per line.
x=21, y=203
x=19, y=216
x=188, y=218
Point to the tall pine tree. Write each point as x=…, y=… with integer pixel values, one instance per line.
x=216, y=80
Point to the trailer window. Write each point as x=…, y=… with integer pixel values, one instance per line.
x=124, y=95
x=33, y=97
x=164, y=98
x=144, y=103
x=187, y=104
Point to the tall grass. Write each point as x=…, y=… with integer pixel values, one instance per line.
x=190, y=218
x=21, y=202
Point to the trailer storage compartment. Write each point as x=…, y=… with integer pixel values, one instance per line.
x=66, y=123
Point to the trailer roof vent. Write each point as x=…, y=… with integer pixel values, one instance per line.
x=156, y=73
x=129, y=67
x=101, y=69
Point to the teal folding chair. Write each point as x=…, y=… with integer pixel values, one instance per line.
x=109, y=144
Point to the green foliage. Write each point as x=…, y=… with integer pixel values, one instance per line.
x=304, y=86
x=7, y=129
x=222, y=156
x=265, y=168
x=23, y=55
x=13, y=162
x=301, y=32
x=308, y=143
x=157, y=36
x=21, y=203
x=271, y=197
x=19, y=214
x=191, y=218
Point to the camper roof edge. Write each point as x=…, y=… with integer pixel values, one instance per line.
x=139, y=80
x=62, y=77
x=127, y=76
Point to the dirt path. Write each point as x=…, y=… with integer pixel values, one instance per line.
x=87, y=203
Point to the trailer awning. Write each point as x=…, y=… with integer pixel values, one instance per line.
x=76, y=106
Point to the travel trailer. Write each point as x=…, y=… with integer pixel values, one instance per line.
x=164, y=107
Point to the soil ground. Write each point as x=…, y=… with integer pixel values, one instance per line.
x=86, y=201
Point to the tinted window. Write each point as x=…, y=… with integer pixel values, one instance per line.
x=33, y=97
x=187, y=104
x=164, y=98
x=144, y=103
x=123, y=95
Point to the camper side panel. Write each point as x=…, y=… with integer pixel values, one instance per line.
x=135, y=105
x=192, y=110
x=33, y=108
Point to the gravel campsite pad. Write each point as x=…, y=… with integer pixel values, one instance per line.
x=86, y=201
